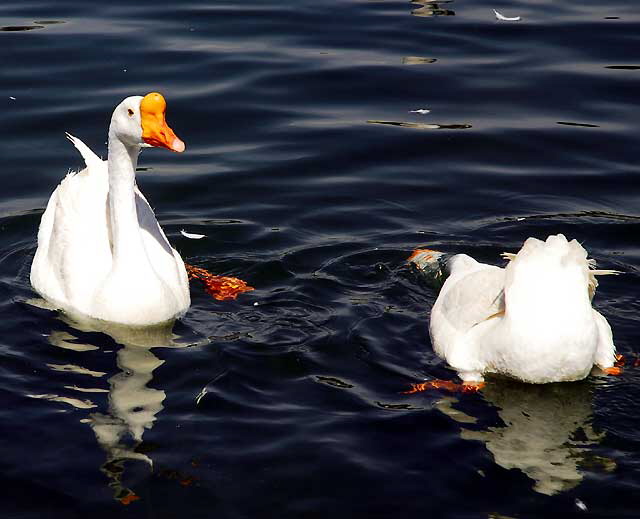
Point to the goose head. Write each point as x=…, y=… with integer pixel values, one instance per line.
x=140, y=121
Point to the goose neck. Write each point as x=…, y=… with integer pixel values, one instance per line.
x=123, y=216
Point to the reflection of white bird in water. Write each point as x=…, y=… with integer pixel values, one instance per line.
x=429, y=8
x=547, y=432
x=531, y=320
x=133, y=405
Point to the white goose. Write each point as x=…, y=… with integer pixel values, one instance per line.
x=101, y=252
x=531, y=320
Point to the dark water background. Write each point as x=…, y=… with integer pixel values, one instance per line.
x=313, y=181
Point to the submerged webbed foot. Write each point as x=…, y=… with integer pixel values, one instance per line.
x=447, y=385
x=617, y=368
x=222, y=288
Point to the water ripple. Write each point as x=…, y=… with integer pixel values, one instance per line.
x=312, y=181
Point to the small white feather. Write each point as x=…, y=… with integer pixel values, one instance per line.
x=192, y=236
x=506, y=18
x=201, y=394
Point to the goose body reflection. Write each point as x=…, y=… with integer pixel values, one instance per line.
x=546, y=432
x=428, y=8
x=133, y=405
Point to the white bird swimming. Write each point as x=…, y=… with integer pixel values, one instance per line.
x=531, y=320
x=101, y=252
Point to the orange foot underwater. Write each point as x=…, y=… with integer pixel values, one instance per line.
x=621, y=361
x=221, y=288
x=447, y=385
x=616, y=369
x=129, y=498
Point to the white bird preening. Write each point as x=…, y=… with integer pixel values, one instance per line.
x=101, y=252
x=531, y=321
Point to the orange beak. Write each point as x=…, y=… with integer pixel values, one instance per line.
x=155, y=130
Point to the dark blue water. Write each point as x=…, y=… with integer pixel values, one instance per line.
x=313, y=180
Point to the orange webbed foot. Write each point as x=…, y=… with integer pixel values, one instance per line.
x=617, y=368
x=447, y=385
x=222, y=288
x=472, y=387
x=129, y=498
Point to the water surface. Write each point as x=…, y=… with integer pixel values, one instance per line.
x=313, y=179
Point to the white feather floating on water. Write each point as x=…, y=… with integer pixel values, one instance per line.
x=421, y=111
x=192, y=236
x=506, y=18
x=580, y=504
x=201, y=394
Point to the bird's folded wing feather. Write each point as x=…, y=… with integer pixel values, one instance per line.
x=474, y=298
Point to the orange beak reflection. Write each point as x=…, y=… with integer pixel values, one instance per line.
x=155, y=130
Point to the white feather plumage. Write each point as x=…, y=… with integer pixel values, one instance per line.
x=531, y=320
x=101, y=252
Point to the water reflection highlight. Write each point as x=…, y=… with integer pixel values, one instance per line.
x=430, y=8
x=547, y=432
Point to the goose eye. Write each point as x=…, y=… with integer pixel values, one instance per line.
x=130, y=112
